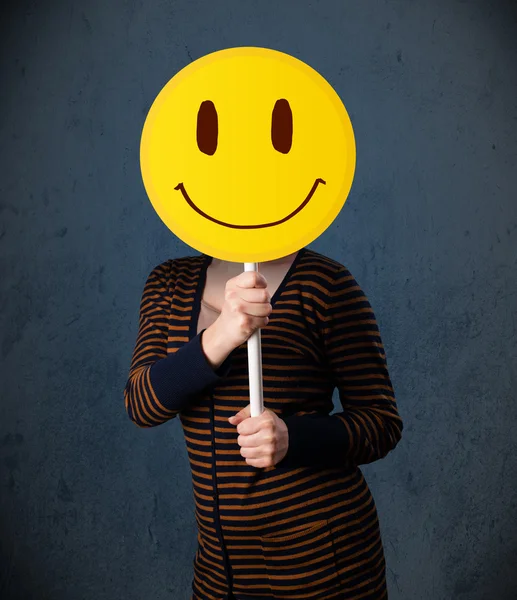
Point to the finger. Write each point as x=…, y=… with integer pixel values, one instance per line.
x=250, y=425
x=256, y=310
x=253, y=453
x=259, y=463
x=253, y=440
x=250, y=279
x=255, y=295
x=240, y=416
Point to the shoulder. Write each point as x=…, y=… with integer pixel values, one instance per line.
x=323, y=270
x=169, y=269
x=332, y=283
x=165, y=274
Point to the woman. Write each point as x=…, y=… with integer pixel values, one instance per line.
x=282, y=507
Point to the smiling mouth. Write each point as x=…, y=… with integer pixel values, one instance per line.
x=182, y=189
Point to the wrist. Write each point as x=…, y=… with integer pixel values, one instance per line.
x=215, y=346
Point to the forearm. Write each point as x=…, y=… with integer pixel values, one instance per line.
x=371, y=433
x=215, y=345
x=315, y=440
x=344, y=439
x=157, y=392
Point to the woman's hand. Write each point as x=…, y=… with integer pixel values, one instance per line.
x=246, y=306
x=264, y=440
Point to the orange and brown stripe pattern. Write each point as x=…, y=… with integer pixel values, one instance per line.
x=306, y=528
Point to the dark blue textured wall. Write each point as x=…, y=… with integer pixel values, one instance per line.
x=91, y=507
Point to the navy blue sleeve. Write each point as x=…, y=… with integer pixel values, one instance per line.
x=186, y=372
x=161, y=384
x=315, y=440
x=369, y=424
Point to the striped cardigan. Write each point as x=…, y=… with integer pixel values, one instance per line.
x=306, y=528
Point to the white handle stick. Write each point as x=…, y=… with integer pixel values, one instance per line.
x=255, y=364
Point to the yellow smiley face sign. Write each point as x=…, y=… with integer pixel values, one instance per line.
x=247, y=154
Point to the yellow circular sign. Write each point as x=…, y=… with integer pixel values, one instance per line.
x=247, y=154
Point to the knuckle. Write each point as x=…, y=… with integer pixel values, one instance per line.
x=235, y=305
x=243, y=320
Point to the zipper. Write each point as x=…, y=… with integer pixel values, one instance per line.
x=226, y=561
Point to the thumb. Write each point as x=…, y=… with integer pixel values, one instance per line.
x=240, y=416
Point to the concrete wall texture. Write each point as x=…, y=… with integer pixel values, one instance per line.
x=91, y=507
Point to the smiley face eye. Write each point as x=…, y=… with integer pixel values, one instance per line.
x=207, y=128
x=282, y=126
